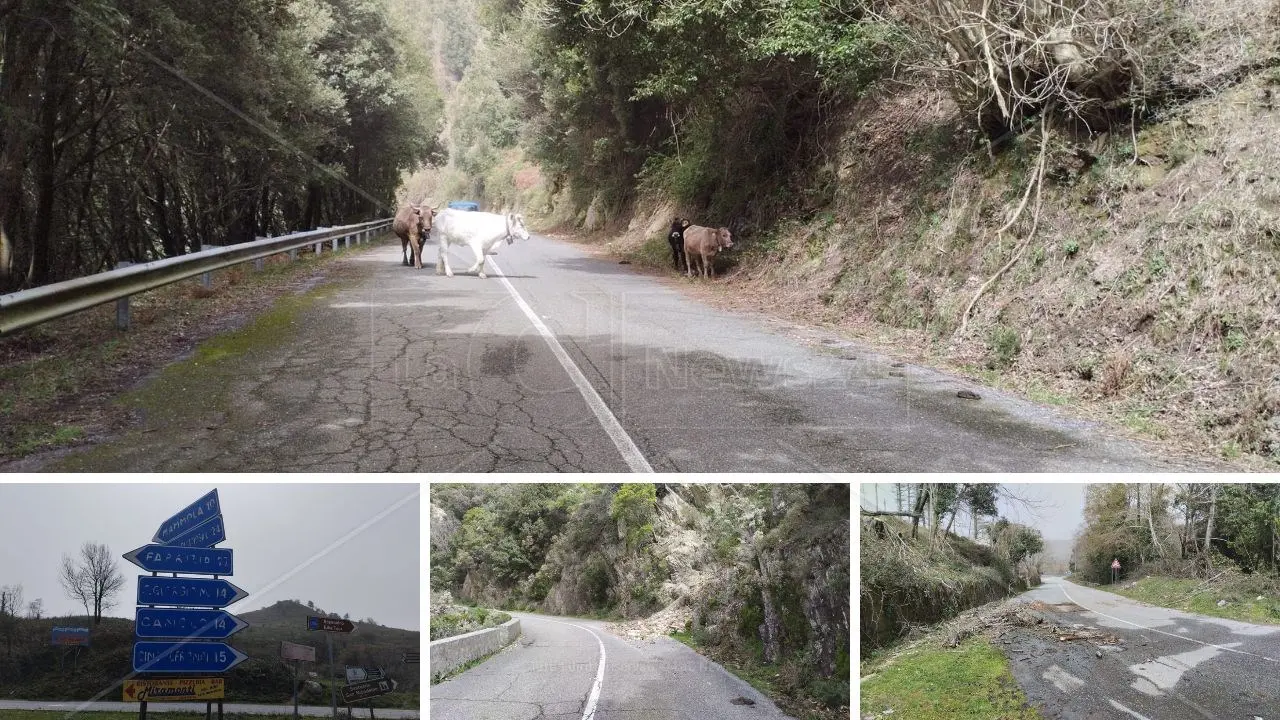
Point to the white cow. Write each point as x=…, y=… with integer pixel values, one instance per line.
x=480, y=231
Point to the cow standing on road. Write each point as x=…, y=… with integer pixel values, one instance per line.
x=480, y=231
x=413, y=226
x=704, y=243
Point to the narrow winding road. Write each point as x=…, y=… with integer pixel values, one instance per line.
x=572, y=669
x=571, y=363
x=1166, y=665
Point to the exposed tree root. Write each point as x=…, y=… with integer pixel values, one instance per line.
x=1037, y=183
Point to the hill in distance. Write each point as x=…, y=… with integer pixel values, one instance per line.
x=35, y=670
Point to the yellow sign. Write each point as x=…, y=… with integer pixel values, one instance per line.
x=174, y=689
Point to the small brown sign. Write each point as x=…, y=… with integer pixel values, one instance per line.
x=329, y=624
x=367, y=689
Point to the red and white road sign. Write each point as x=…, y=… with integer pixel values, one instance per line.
x=1115, y=564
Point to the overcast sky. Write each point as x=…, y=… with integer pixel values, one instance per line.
x=1055, y=509
x=350, y=548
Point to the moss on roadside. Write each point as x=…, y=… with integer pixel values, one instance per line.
x=971, y=682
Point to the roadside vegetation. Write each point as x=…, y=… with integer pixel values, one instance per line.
x=448, y=620
x=754, y=576
x=969, y=682
x=59, y=380
x=1207, y=548
x=1075, y=202
x=929, y=595
x=918, y=573
x=1251, y=598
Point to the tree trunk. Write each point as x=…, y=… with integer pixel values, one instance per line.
x=45, y=166
x=1208, y=528
x=1155, y=541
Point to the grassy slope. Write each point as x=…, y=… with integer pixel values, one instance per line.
x=1194, y=596
x=970, y=682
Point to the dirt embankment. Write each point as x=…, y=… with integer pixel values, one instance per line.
x=1148, y=296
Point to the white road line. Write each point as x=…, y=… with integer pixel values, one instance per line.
x=1162, y=632
x=589, y=710
x=630, y=453
x=1118, y=706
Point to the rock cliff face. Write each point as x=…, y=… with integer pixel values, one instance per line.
x=760, y=570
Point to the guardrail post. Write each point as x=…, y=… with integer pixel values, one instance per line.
x=206, y=278
x=122, y=305
x=257, y=264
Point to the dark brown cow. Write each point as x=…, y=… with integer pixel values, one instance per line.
x=704, y=242
x=413, y=225
x=675, y=236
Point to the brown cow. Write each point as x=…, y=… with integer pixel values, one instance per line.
x=704, y=242
x=413, y=225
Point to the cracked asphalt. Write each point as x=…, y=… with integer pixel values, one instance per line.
x=404, y=370
x=548, y=674
x=1167, y=665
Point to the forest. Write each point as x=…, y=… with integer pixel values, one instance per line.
x=761, y=570
x=1192, y=530
x=132, y=131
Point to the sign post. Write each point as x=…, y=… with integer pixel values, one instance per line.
x=1115, y=570
x=329, y=626
x=298, y=654
x=185, y=639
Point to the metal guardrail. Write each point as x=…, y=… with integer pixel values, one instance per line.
x=26, y=308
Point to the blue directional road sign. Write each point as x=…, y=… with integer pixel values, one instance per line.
x=197, y=513
x=205, y=535
x=186, y=623
x=185, y=657
x=164, y=558
x=70, y=636
x=189, y=592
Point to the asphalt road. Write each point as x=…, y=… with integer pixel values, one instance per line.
x=574, y=363
x=1166, y=665
x=572, y=669
x=305, y=710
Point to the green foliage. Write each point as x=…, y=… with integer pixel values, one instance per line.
x=465, y=620
x=608, y=99
x=633, y=509
x=1005, y=345
x=174, y=125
